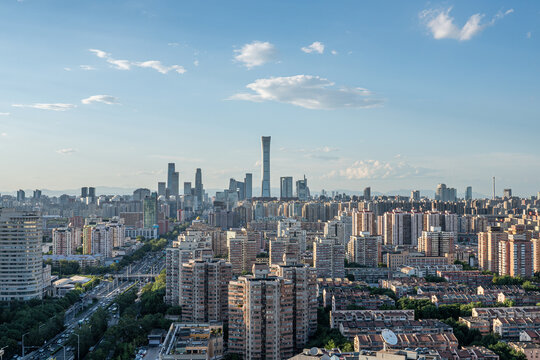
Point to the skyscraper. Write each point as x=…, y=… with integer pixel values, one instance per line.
x=265, y=188
x=468, y=193
x=20, y=195
x=286, y=187
x=367, y=193
x=187, y=188
x=507, y=194
x=150, y=211
x=162, y=189
x=302, y=189
x=21, y=262
x=248, y=185
x=199, y=187
x=92, y=192
x=84, y=192
x=173, y=180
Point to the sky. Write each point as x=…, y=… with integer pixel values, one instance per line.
x=389, y=94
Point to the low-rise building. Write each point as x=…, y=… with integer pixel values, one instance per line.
x=193, y=342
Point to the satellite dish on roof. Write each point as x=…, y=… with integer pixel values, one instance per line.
x=313, y=351
x=389, y=337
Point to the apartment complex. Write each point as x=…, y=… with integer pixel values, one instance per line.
x=21, y=261
x=204, y=286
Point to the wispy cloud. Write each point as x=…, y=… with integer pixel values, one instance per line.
x=87, y=67
x=316, y=47
x=127, y=64
x=106, y=99
x=528, y=35
x=159, y=67
x=3, y=134
x=68, y=151
x=52, y=107
x=307, y=91
x=441, y=24
x=376, y=169
x=334, y=52
x=4, y=114
x=256, y=53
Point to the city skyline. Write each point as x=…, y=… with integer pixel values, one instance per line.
x=439, y=115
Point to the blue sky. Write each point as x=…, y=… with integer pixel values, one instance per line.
x=387, y=94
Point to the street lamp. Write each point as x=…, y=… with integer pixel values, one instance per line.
x=2, y=352
x=23, y=342
x=78, y=344
x=64, y=346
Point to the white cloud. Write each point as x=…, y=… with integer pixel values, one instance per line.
x=99, y=53
x=256, y=54
x=316, y=47
x=334, y=52
x=4, y=114
x=4, y=134
x=442, y=26
x=196, y=62
x=528, y=35
x=375, y=169
x=127, y=64
x=308, y=91
x=67, y=69
x=158, y=66
x=53, y=107
x=106, y=99
x=87, y=67
x=174, y=44
x=68, y=151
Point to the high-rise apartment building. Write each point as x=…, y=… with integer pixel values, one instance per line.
x=329, y=258
x=507, y=193
x=415, y=195
x=444, y=193
x=363, y=221
x=488, y=248
x=150, y=211
x=265, y=147
x=248, y=186
x=516, y=256
x=21, y=261
x=436, y=242
x=62, y=241
x=84, y=192
x=402, y=228
x=205, y=286
x=304, y=302
x=243, y=249
x=261, y=317
x=286, y=187
x=282, y=248
x=364, y=249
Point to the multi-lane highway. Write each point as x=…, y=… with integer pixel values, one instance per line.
x=105, y=292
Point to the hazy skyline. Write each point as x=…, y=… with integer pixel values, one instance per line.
x=392, y=95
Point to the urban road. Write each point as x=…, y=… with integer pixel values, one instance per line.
x=137, y=273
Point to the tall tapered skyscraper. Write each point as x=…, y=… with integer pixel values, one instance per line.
x=265, y=189
x=199, y=186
